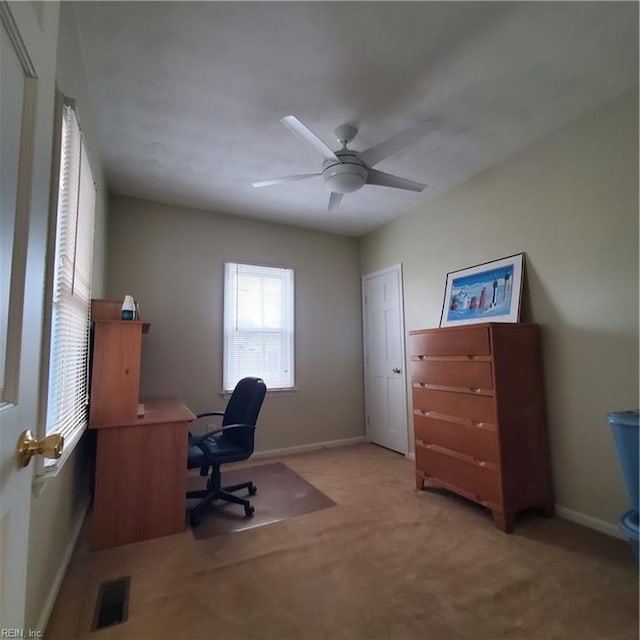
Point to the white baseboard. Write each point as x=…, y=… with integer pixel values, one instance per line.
x=589, y=521
x=578, y=517
x=271, y=453
x=62, y=569
x=410, y=456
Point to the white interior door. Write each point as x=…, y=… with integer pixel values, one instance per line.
x=385, y=377
x=26, y=117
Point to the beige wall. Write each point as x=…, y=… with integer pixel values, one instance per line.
x=171, y=259
x=570, y=202
x=58, y=512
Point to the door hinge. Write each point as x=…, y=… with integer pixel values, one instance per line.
x=368, y=420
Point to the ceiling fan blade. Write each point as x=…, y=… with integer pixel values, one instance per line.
x=269, y=183
x=383, y=179
x=388, y=147
x=306, y=135
x=334, y=200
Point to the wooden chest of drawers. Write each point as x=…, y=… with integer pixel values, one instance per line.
x=479, y=419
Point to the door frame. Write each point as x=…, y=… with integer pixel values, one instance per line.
x=397, y=269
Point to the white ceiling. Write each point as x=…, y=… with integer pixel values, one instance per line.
x=188, y=95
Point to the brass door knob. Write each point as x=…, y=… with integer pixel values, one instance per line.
x=28, y=446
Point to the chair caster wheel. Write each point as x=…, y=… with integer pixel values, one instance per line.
x=253, y=490
x=248, y=511
x=194, y=520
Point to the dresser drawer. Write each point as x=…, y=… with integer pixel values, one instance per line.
x=465, y=407
x=466, y=375
x=480, y=443
x=473, y=480
x=467, y=341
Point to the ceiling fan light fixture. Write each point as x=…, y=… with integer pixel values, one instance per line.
x=346, y=170
x=344, y=178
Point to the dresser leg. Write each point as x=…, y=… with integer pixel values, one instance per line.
x=504, y=521
x=419, y=482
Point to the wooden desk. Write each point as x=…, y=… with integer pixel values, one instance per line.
x=140, y=482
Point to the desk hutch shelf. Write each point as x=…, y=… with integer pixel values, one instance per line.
x=140, y=470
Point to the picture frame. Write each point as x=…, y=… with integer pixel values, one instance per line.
x=487, y=292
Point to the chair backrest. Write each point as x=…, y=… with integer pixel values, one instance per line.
x=245, y=403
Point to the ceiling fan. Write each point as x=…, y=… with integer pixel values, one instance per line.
x=346, y=170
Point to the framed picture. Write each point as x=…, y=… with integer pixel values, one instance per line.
x=488, y=292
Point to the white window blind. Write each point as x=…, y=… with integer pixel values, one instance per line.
x=258, y=325
x=68, y=362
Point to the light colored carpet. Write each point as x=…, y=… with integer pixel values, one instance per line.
x=386, y=563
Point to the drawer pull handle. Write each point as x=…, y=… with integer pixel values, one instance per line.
x=475, y=389
x=477, y=423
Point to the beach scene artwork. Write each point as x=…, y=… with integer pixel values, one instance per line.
x=488, y=292
x=485, y=294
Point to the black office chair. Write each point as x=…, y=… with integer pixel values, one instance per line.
x=231, y=443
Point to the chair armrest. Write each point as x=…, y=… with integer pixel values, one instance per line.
x=238, y=427
x=210, y=413
x=204, y=415
x=230, y=427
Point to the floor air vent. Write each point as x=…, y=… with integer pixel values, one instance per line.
x=112, y=605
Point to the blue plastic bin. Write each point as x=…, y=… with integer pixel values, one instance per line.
x=624, y=425
x=625, y=434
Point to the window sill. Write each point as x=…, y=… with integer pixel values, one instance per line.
x=49, y=469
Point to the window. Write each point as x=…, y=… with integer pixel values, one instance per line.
x=67, y=400
x=258, y=325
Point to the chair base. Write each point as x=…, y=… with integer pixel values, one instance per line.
x=209, y=495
